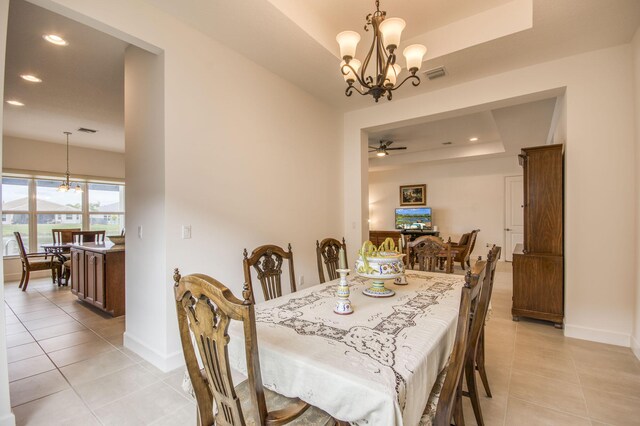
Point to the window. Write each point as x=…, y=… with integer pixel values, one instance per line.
x=35, y=207
x=15, y=214
x=106, y=208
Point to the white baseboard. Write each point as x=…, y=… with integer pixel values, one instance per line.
x=16, y=277
x=597, y=335
x=8, y=420
x=635, y=347
x=165, y=363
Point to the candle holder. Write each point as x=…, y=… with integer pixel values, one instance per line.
x=343, y=304
x=401, y=280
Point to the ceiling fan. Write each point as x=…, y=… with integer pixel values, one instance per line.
x=381, y=150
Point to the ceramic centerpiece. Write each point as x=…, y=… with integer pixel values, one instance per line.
x=380, y=264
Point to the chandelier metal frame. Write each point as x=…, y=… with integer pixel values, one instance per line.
x=384, y=60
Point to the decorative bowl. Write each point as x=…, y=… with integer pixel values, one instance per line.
x=379, y=264
x=116, y=239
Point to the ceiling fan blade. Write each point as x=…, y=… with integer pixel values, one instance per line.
x=400, y=147
x=373, y=150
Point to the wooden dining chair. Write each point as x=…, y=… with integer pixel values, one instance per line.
x=267, y=261
x=327, y=253
x=475, y=355
x=88, y=236
x=63, y=235
x=205, y=309
x=445, y=400
x=465, y=247
x=32, y=262
x=425, y=251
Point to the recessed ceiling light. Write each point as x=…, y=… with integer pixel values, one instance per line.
x=15, y=103
x=55, y=39
x=473, y=139
x=31, y=78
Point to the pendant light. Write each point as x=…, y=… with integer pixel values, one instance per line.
x=65, y=186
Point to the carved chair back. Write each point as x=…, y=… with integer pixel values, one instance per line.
x=472, y=242
x=425, y=250
x=21, y=249
x=205, y=308
x=486, y=273
x=481, y=307
x=450, y=401
x=63, y=235
x=267, y=261
x=88, y=236
x=327, y=253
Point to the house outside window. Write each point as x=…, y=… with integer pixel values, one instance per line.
x=34, y=207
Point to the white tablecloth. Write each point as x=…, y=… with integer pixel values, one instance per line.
x=373, y=367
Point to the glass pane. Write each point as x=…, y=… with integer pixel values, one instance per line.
x=10, y=224
x=106, y=197
x=15, y=194
x=113, y=224
x=47, y=222
x=50, y=200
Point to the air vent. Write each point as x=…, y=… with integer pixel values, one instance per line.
x=447, y=143
x=85, y=130
x=434, y=73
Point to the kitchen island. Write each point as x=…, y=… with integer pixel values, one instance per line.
x=97, y=275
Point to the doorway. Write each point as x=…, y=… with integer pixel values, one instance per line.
x=513, y=215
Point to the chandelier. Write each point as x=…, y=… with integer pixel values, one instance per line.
x=386, y=38
x=65, y=186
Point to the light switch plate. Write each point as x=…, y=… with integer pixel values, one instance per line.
x=140, y=231
x=186, y=232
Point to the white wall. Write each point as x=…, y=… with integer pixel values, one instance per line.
x=635, y=338
x=145, y=201
x=249, y=159
x=599, y=283
x=464, y=195
x=6, y=416
x=44, y=157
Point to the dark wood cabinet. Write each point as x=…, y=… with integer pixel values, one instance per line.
x=97, y=276
x=77, y=272
x=538, y=264
x=378, y=237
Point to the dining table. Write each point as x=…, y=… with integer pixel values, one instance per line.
x=375, y=366
x=58, y=250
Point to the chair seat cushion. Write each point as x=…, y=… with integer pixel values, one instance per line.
x=313, y=416
x=40, y=264
x=429, y=414
x=67, y=264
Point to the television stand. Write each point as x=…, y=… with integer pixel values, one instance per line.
x=415, y=233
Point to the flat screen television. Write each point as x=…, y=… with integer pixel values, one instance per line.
x=413, y=218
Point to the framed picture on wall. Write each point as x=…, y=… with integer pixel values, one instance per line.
x=413, y=195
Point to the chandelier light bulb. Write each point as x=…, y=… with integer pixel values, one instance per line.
x=414, y=55
x=348, y=41
x=355, y=64
x=391, y=30
x=392, y=75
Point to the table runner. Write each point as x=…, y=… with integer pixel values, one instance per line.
x=373, y=367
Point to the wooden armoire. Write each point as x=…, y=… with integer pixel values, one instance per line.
x=538, y=263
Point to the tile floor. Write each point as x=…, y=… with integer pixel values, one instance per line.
x=67, y=366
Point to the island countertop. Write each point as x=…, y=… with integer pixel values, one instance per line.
x=106, y=247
